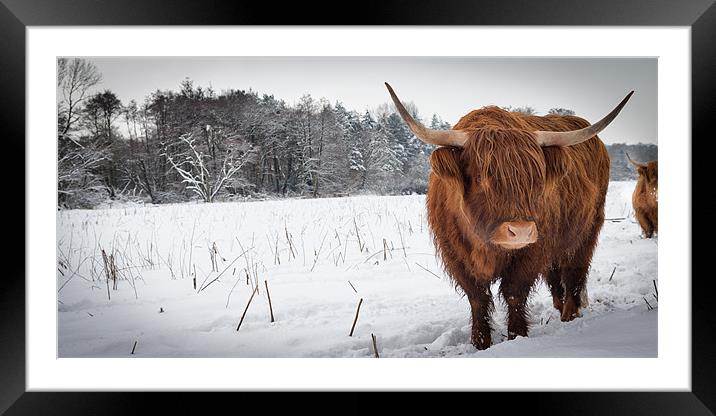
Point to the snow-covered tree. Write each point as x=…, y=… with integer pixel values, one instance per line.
x=78, y=159
x=100, y=112
x=527, y=110
x=206, y=169
x=333, y=169
x=561, y=111
x=195, y=142
x=79, y=183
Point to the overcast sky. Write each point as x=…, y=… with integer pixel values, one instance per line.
x=446, y=86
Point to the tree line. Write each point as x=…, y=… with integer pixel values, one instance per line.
x=195, y=143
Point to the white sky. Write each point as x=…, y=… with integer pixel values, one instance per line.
x=447, y=86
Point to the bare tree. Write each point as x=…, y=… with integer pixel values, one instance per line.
x=74, y=78
x=78, y=159
x=196, y=167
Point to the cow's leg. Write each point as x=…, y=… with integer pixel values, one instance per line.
x=574, y=277
x=515, y=289
x=648, y=227
x=649, y=233
x=554, y=281
x=480, y=297
x=645, y=223
x=477, y=290
x=652, y=224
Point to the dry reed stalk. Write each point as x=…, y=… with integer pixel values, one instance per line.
x=269, y=299
x=427, y=270
x=191, y=250
x=360, y=244
x=356, y=318
x=113, y=269
x=106, y=272
x=289, y=240
x=406, y=263
x=212, y=257
x=345, y=248
x=401, y=235
x=247, y=308
x=375, y=346
x=228, y=298
x=318, y=253
x=225, y=269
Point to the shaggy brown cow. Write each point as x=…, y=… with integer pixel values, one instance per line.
x=514, y=196
x=646, y=196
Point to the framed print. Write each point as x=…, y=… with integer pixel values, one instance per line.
x=390, y=206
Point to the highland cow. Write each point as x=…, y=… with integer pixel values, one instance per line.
x=515, y=197
x=646, y=196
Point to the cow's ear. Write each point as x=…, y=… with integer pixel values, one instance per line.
x=445, y=162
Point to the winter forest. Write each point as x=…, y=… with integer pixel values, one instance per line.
x=199, y=144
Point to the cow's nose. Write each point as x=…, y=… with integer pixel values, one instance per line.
x=521, y=230
x=515, y=234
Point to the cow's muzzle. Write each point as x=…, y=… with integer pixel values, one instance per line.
x=514, y=235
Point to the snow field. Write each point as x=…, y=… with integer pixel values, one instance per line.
x=319, y=257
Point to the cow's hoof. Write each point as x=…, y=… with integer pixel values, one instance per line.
x=481, y=342
x=568, y=314
x=569, y=317
x=512, y=335
x=570, y=310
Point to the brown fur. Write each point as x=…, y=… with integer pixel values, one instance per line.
x=502, y=174
x=646, y=196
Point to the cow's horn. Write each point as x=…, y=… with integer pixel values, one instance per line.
x=635, y=163
x=570, y=138
x=430, y=136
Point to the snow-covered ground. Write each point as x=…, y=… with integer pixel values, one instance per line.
x=319, y=257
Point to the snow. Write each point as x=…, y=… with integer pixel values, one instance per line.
x=408, y=302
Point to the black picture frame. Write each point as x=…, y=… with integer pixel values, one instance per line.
x=16, y=15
